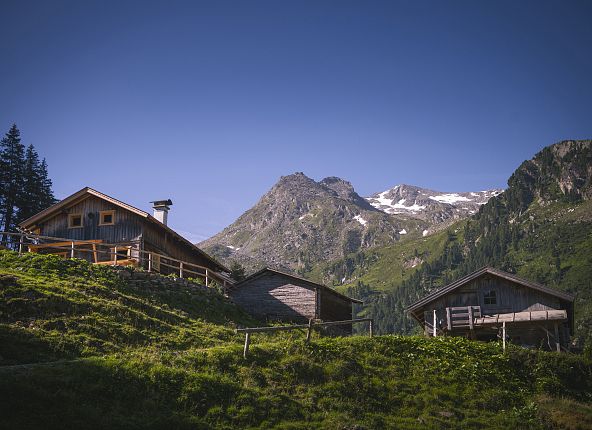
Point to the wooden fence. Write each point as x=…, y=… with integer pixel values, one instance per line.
x=309, y=327
x=119, y=254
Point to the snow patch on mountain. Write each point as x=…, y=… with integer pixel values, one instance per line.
x=361, y=220
x=450, y=198
x=435, y=207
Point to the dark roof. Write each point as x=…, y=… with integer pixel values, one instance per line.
x=487, y=270
x=86, y=191
x=296, y=278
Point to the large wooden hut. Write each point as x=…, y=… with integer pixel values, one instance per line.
x=489, y=302
x=102, y=229
x=274, y=295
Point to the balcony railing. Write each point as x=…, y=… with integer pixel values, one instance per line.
x=115, y=254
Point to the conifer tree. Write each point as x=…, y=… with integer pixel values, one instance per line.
x=25, y=187
x=11, y=177
x=36, y=193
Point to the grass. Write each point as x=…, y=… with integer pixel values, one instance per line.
x=385, y=268
x=52, y=308
x=81, y=348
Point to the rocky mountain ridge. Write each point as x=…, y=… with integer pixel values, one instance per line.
x=300, y=222
x=435, y=207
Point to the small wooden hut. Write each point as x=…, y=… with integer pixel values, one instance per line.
x=490, y=304
x=273, y=295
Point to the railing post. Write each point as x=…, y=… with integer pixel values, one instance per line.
x=247, y=341
x=207, y=277
x=115, y=256
x=370, y=329
x=504, y=335
x=180, y=269
x=309, y=331
x=21, y=244
x=150, y=262
x=72, y=250
x=434, y=333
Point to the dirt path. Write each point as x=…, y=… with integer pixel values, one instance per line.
x=26, y=366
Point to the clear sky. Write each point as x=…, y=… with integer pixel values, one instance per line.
x=210, y=102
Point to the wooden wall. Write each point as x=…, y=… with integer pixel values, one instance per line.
x=128, y=226
x=511, y=297
x=276, y=297
x=335, y=308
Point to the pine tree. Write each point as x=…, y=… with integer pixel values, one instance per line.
x=36, y=194
x=237, y=272
x=11, y=177
x=25, y=187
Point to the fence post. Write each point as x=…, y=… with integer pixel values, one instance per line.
x=180, y=269
x=247, y=341
x=150, y=262
x=206, y=277
x=370, y=329
x=21, y=244
x=434, y=332
x=309, y=331
x=504, y=335
x=115, y=256
x=72, y=250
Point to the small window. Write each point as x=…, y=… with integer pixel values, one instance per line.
x=490, y=298
x=107, y=218
x=74, y=220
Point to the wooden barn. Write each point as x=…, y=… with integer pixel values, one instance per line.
x=489, y=302
x=274, y=295
x=105, y=230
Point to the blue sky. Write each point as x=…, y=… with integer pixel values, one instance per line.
x=209, y=103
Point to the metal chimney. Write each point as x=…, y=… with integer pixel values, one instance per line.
x=161, y=210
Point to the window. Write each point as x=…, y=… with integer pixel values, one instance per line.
x=107, y=218
x=74, y=220
x=490, y=298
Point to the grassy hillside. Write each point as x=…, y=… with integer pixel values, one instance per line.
x=52, y=308
x=385, y=268
x=83, y=349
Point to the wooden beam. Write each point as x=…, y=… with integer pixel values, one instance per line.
x=448, y=319
x=471, y=317
x=309, y=331
x=557, y=343
x=434, y=325
x=504, y=335
x=247, y=341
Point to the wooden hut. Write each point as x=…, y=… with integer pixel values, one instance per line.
x=104, y=228
x=274, y=295
x=489, y=302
